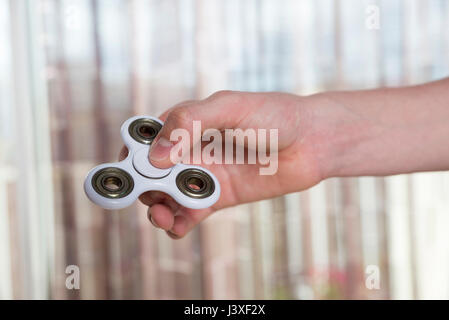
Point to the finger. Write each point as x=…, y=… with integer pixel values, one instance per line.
x=221, y=110
x=151, y=198
x=123, y=153
x=150, y=218
x=180, y=228
x=172, y=235
x=185, y=220
x=186, y=103
x=161, y=216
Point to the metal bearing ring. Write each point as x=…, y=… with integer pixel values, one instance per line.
x=144, y=130
x=195, y=183
x=112, y=182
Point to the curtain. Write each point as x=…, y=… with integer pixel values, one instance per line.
x=71, y=71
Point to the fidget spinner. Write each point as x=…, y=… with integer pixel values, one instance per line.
x=117, y=185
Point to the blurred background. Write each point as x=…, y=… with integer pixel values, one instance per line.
x=71, y=71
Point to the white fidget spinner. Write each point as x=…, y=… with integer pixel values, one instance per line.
x=118, y=185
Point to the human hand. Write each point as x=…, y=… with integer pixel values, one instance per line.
x=299, y=152
x=376, y=132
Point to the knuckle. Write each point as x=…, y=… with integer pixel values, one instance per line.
x=227, y=97
x=180, y=117
x=184, y=104
x=221, y=94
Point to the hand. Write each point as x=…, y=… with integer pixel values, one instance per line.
x=299, y=153
x=335, y=134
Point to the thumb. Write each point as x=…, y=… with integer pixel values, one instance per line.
x=213, y=112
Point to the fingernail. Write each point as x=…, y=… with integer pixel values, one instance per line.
x=152, y=221
x=161, y=149
x=173, y=235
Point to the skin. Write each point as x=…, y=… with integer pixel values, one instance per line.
x=376, y=132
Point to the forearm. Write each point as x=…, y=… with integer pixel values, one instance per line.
x=384, y=131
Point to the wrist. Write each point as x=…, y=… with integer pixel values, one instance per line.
x=341, y=137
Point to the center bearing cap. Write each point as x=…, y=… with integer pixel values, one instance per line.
x=143, y=166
